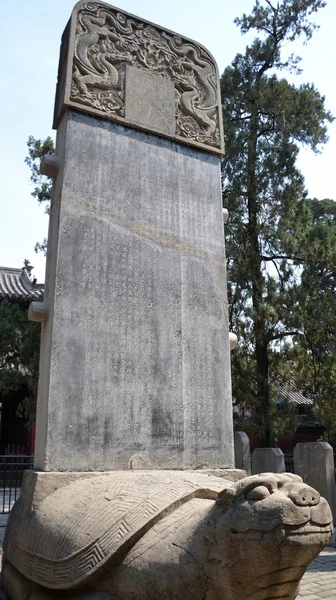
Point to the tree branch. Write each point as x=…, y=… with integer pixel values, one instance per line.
x=279, y=274
x=279, y=336
x=271, y=6
x=282, y=257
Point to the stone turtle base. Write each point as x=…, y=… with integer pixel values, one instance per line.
x=169, y=534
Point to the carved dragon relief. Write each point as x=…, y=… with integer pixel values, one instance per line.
x=108, y=40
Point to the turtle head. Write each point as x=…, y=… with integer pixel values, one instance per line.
x=276, y=506
x=269, y=527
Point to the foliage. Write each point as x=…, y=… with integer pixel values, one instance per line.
x=19, y=353
x=266, y=120
x=20, y=338
x=42, y=191
x=313, y=354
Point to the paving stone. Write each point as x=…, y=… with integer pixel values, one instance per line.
x=319, y=582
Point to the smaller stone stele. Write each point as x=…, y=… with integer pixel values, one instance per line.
x=119, y=67
x=163, y=534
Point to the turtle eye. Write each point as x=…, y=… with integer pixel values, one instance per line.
x=258, y=493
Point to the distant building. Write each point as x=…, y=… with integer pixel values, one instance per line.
x=284, y=391
x=308, y=427
x=16, y=285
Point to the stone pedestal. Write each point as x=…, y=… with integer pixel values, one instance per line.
x=314, y=462
x=171, y=534
x=268, y=460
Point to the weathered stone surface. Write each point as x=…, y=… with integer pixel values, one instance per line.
x=150, y=101
x=17, y=586
x=38, y=311
x=268, y=460
x=49, y=165
x=135, y=352
x=118, y=67
x=166, y=534
x=314, y=462
x=81, y=520
x=86, y=595
x=242, y=451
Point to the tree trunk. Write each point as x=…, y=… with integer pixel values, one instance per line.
x=263, y=394
x=259, y=325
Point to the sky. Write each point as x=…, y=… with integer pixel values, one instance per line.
x=29, y=46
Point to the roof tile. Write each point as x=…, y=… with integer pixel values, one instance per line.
x=15, y=284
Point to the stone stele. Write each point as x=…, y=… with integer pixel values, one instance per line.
x=268, y=460
x=135, y=347
x=242, y=451
x=135, y=362
x=314, y=462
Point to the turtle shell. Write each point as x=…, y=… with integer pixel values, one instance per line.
x=72, y=532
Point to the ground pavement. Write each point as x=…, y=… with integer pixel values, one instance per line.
x=319, y=582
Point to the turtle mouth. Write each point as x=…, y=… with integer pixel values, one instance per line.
x=313, y=532
x=309, y=527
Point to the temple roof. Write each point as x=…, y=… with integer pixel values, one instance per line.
x=17, y=284
x=286, y=390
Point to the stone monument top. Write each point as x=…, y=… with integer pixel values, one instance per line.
x=116, y=66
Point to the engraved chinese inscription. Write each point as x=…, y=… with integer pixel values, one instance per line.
x=107, y=43
x=150, y=100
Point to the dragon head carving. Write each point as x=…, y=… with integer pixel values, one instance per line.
x=272, y=525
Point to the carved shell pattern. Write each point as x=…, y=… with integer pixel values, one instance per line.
x=107, y=40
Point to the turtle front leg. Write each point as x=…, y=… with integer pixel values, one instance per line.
x=18, y=587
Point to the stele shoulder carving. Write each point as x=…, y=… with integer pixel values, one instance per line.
x=108, y=45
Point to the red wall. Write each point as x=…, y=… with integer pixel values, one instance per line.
x=287, y=443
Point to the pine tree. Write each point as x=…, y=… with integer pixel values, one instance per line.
x=19, y=354
x=42, y=191
x=312, y=356
x=266, y=119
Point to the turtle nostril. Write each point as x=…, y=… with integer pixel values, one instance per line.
x=304, y=497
